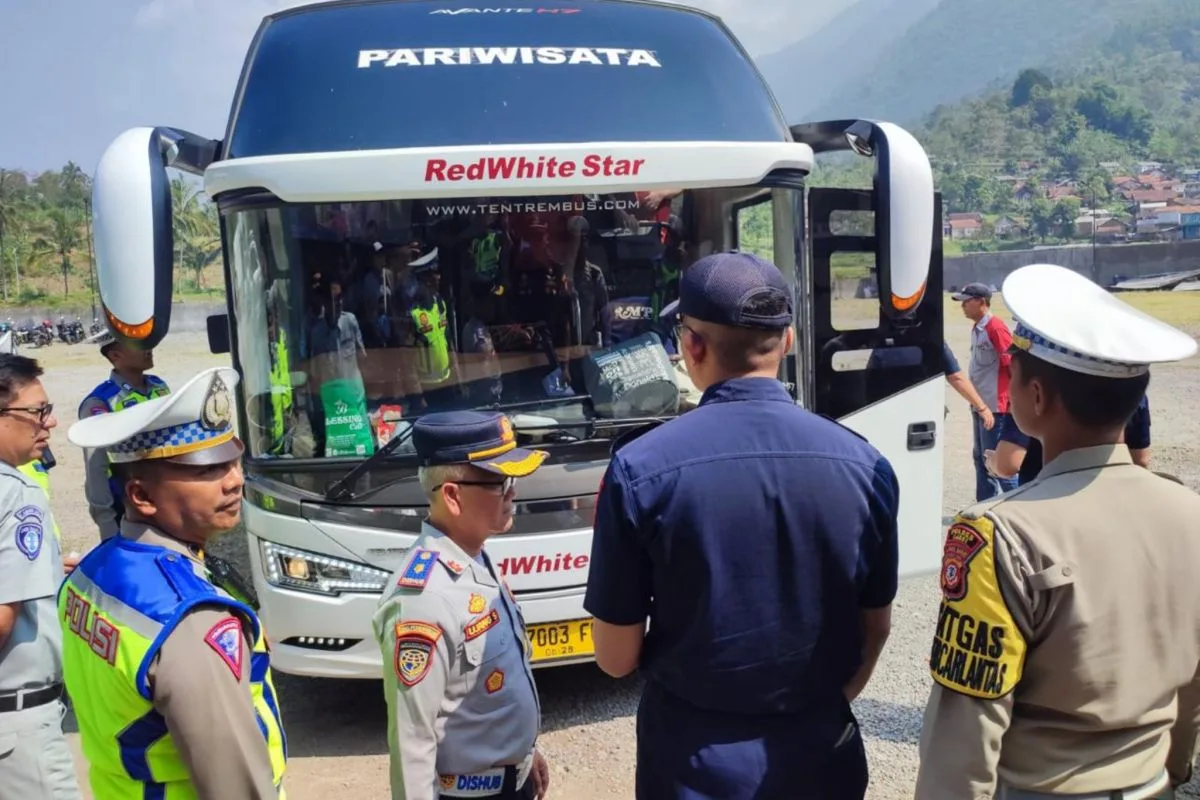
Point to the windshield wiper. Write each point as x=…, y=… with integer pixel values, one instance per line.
x=342, y=488
x=545, y=401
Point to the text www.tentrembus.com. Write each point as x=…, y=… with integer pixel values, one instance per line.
x=545, y=207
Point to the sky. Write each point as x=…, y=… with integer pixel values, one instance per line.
x=78, y=72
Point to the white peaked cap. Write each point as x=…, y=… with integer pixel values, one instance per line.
x=1069, y=321
x=191, y=426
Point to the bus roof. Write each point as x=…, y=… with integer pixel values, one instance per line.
x=387, y=74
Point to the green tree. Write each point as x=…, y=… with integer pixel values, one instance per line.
x=60, y=236
x=1063, y=217
x=1027, y=81
x=1041, y=217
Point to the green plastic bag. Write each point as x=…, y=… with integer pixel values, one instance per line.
x=347, y=426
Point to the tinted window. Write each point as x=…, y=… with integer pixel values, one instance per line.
x=390, y=75
x=352, y=318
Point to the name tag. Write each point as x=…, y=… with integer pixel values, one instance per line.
x=480, y=784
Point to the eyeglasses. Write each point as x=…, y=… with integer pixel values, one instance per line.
x=42, y=413
x=505, y=485
x=681, y=327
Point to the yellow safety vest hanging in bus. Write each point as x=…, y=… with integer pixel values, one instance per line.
x=281, y=390
x=116, y=609
x=433, y=346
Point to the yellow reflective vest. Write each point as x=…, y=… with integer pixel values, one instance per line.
x=38, y=473
x=429, y=326
x=116, y=609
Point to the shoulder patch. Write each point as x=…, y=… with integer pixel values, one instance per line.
x=415, y=642
x=417, y=573
x=978, y=650
x=226, y=639
x=29, y=532
x=477, y=627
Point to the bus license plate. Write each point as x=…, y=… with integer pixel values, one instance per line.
x=551, y=640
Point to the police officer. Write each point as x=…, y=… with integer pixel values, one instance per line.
x=127, y=385
x=760, y=540
x=34, y=759
x=169, y=675
x=1067, y=644
x=463, y=710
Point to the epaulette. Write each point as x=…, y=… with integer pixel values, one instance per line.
x=1169, y=476
x=420, y=567
x=629, y=435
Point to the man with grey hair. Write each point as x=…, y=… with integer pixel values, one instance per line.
x=463, y=710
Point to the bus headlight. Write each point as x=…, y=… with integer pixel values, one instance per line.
x=289, y=568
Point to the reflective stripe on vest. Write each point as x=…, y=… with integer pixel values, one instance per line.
x=37, y=472
x=116, y=609
x=281, y=389
x=434, y=352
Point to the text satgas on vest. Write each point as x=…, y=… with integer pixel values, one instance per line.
x=439, y=170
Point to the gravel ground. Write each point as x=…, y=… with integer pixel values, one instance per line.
x=337, y=729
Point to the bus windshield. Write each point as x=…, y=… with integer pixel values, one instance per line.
x=352, y=319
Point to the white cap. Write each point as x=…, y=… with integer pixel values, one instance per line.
x=191, y=426
x=417, y=263
x=103, y=338
x=1067, y=320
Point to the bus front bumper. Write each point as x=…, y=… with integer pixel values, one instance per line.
x=324, y=636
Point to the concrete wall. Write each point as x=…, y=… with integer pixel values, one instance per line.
x=1131, y=261
x=185, y=317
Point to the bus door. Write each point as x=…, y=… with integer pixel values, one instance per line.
x=880, y=376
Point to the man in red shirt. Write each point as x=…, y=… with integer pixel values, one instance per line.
x=989, y=371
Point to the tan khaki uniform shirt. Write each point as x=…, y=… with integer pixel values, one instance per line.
x=209, y=712
x=457, y=676
x=1068, y=640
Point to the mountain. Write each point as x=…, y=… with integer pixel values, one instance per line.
x=888, y=65
x=807, y=73
x=1133, y=96
x=965, y=46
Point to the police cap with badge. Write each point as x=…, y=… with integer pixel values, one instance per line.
x=483, y=439
x=193, y=426
x=1065, y=319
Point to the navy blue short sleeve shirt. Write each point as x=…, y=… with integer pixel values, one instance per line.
x=752, y=533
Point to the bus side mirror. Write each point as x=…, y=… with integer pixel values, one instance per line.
x=904, y=203
x=135, y=247
x=218, y=333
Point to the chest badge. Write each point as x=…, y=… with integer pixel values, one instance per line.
x=494, y=682
x=476, y=604
x=477, y=627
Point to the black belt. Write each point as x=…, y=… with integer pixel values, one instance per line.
x=17, y=701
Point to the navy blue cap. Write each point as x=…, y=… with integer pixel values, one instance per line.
x=482, y=439
x=720, y=288
x=980, y=290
